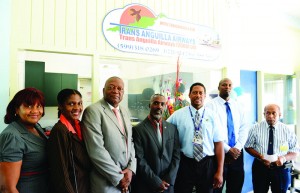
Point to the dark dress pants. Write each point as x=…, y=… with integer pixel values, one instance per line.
x=263, y=177
x=192, y=173
x=233, y=174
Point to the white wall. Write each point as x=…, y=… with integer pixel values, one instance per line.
x=56, y=29
x=59, y=63
x=75, y=27
x=260, y=41
x=5, y=26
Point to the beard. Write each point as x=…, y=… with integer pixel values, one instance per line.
x=225, y=95
x=156, y=115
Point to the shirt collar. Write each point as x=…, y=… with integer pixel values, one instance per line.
x=221, y=100
x=199, y=110
x=112, y=107
x=154, y=121
x=275, y=125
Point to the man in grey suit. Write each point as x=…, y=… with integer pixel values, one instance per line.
x=157, y=151
x=108, y=137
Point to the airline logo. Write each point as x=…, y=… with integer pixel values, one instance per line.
x=136, y=28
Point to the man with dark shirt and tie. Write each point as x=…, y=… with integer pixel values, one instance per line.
x=272, y=144
x=157, y=151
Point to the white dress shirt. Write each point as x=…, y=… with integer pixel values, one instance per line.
x=241, y=125
x=210, y=130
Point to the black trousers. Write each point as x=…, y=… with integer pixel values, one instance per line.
x=234, y=175
x=263, y=177
x=192, y=173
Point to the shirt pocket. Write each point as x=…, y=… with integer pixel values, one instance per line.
x=207, y=128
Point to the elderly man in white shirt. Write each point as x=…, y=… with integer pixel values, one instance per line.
x=272, y=144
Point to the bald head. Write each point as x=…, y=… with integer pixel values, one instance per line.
x=113, y=78
x=272, y=106
x=225, y=86
x=272, y=113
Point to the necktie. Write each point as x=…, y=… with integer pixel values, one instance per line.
x=198, y=148
x=158, y=133
x=270, y=144
x=230, y=126
x=116, y=111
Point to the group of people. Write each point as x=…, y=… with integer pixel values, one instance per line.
x=198, y=148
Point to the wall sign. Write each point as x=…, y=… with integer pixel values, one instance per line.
x=136, y=28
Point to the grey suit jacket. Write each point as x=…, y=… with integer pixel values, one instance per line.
x=110, y=151
x=155, y=163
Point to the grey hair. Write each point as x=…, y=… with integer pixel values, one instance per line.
x=155, y=95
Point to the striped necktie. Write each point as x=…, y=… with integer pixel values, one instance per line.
x=198, y=148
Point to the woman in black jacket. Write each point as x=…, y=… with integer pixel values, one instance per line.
x=68, y=158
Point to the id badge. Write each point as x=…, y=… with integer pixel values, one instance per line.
x=197, y=138
x=284, y=147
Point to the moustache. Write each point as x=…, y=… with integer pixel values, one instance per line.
x=158, y=111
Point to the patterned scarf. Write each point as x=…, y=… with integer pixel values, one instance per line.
x=77, y=130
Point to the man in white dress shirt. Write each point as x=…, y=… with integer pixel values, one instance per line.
x=235, y=132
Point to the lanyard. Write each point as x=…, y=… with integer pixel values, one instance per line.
x=197, y=128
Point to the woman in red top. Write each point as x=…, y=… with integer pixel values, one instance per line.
x=68, y=158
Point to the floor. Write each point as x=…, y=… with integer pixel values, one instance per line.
x=297, y=185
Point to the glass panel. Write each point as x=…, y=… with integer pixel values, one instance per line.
x=280, y=89
x=141, y=89
x=164, y=84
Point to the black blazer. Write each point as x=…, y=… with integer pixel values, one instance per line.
x=60, y=145
x=155, y=163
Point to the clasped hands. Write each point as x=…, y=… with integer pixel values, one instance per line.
x=125, y=181
x=163, y=186
x=277, y=163
x=234, y=152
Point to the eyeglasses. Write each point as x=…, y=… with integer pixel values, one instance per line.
x=112, y=87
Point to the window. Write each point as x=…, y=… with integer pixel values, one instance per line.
x=280, y=89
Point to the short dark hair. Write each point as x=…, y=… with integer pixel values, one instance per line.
x=197, y=84
x=63, y=96
x=223, y=80
x=28, y=96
